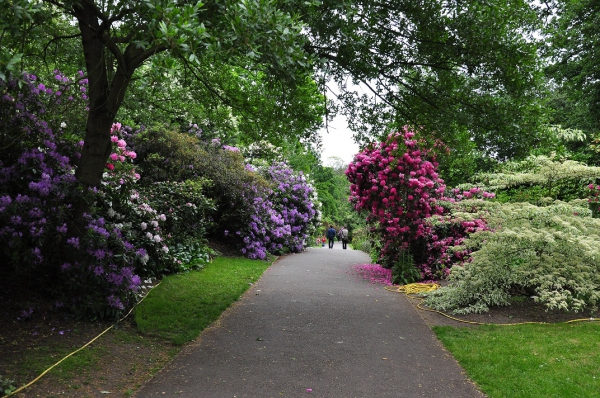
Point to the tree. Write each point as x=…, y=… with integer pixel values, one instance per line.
x=445, y=66
x=228, y=102
x=574, y=70
x=118, y=37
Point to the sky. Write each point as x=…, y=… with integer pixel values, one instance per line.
x=338, y=141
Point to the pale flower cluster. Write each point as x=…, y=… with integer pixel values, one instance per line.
x=551, y=253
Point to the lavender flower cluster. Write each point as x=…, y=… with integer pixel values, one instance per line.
x=280, y=218
x=96, y=271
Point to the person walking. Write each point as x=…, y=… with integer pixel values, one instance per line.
x=344, y=236
x=331, y=236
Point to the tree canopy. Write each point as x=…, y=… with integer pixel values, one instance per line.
x=444, y=66
x=574, y=67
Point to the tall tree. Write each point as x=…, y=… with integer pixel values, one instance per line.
x=574, y=70
x=441, y=65
x=119, y=37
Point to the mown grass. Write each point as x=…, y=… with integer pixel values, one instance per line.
x=183, y=305
x=527, y=361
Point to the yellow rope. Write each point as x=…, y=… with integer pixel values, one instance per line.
x=80, y=348
x=417, y=288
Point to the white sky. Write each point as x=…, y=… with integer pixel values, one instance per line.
x=338, y=141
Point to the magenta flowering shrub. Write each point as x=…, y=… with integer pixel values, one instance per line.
x=444, y=234
x=447, y=231
x=120, y=204
x=594, y=199
x=397, y=184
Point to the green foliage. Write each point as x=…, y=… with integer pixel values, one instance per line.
x=538, y=177
x=361, y=240
x=573, y=43
x=183, y=305
x=192, y=255
x=404, y=270
x=535, y=361
x=20, y=20
x=235, y=104
x=448, y=66
x=548, y=252
x=185, y=203
x=164, y=154
x=334, y=189
x=6, y=386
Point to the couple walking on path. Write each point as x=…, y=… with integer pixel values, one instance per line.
x=342, y=234
x=311, y=327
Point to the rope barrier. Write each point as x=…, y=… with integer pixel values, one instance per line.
x=80, y=348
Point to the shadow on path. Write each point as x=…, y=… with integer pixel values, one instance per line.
x=309, y=326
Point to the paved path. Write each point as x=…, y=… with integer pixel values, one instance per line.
x=309, y=327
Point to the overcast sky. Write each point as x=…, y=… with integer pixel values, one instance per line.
x=338, y=141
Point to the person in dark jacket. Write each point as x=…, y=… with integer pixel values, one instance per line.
x=331, y=236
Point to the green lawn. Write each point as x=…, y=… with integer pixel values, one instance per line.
x=183, y=305
x=554, y=360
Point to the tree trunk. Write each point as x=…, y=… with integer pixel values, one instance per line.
x=106, y=94
x=103, y=108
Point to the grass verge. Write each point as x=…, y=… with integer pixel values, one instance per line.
x=529, y=361
x=183, y=305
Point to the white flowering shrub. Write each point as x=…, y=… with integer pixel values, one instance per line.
x=551, y=253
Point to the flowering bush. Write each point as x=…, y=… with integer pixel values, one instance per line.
x=271, y=211
x=409, y=209
x=294, y=199
x=263, y=228
x=396, y=182
x=281, y=218
x=462, y=216
x=36, y=177
x=594, y=199
x=547, y=252
x=96, y=272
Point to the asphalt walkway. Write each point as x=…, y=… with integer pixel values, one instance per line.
x=310, y=327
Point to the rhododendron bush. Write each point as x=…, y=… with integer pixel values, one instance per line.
x=97, y=272
x=280, y=218
x=408, y=207
x=396, y=183
x=38, y=186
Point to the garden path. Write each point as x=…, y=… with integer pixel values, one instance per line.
x=310, y=326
